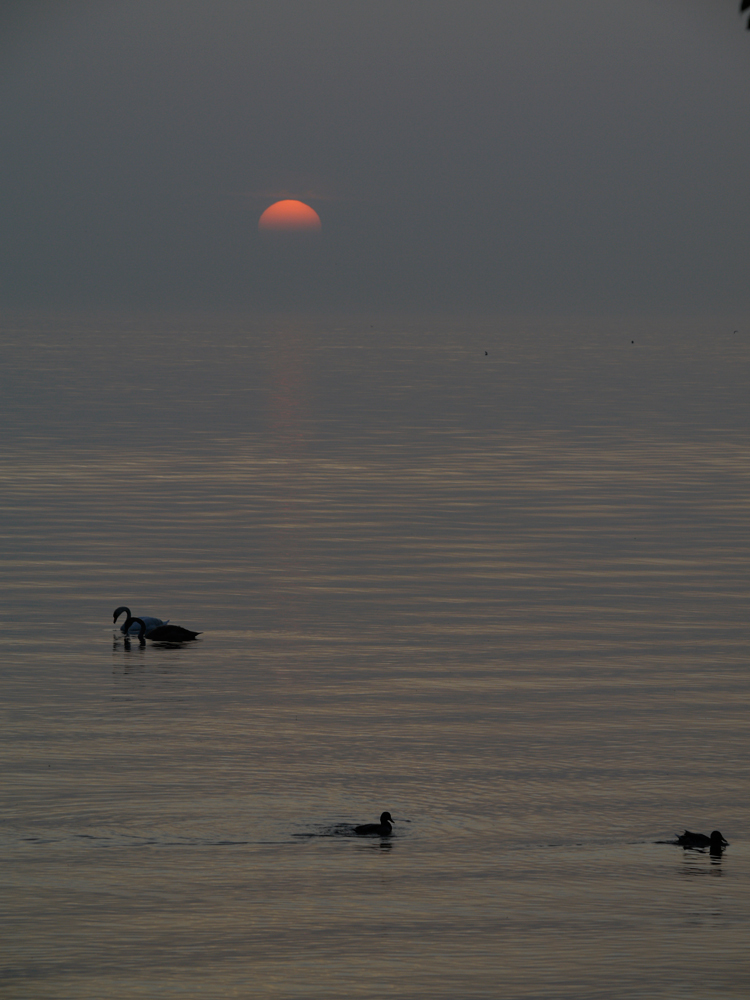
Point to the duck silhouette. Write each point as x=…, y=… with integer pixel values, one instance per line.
x=128, y=625
x=164, y=633
x=381, y=829
x=716, y=842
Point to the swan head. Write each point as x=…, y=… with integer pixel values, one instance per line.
x=120, y=611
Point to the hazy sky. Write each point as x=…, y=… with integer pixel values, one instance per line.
x=534, y=156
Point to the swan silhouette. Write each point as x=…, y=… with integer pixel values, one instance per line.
x=164, y=633
x=128, y=625
x=716, y=842
x=381, y=829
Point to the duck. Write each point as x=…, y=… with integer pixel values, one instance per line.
x=381, y=829
x=129, y=626
x=716, y=842
x=164, y=633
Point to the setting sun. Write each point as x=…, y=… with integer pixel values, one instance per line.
x=289, y=215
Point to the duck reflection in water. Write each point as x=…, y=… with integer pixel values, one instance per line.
x=698, y=841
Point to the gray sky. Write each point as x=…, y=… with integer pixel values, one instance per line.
x=584, y=156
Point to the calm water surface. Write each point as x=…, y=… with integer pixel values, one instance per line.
x=503, y=596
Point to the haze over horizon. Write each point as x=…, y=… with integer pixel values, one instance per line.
x=550, y=156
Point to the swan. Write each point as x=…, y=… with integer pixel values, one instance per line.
x=381, y=829
x=128, y=625
x=716, y=842
x=164, y=633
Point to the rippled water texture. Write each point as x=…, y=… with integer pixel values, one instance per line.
x=502, y=595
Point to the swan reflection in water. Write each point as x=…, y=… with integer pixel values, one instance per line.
x=126, y=645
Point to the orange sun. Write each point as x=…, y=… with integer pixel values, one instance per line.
x=289, y=215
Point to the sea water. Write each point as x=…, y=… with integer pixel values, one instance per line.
x=488, y=574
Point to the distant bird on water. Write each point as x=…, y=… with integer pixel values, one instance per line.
x=716, y=842
x=745, y=5
x=381, y=829
x=164, y=633
x=128, y=626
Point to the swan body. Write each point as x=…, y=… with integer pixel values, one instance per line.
x=164, y=633
x=716, y=842
x=129, y=626
x=381, y=829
